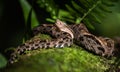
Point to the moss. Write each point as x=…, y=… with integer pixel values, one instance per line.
x=68, y=59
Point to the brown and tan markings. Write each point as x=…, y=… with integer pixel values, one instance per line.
x=64, y=35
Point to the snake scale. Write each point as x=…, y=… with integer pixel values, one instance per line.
x=65, y=35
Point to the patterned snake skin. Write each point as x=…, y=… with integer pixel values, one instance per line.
x=64, y=35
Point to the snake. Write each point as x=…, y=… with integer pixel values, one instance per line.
x=64, y=35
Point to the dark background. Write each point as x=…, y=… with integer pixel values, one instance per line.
x=11, y=23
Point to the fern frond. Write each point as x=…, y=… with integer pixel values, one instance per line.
x=76, y=11
x=89, y=11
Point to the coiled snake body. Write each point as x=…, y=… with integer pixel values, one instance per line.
x=65, y=35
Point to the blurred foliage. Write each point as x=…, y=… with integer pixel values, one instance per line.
x=3, y=61
x=73, y=59
x=111, y=23
x=74, y=11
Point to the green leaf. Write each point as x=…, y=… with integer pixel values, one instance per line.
x=3, y=61
x=26, y=9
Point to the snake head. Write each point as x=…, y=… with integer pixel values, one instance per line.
x=62, y=26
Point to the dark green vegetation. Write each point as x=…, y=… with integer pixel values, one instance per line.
x=18, y=17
